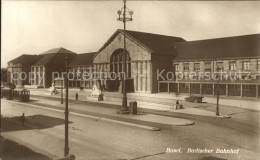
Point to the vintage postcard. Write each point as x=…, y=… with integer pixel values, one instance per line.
x=125, y=79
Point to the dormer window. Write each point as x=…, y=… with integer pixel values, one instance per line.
x=232, y=66
x=176, y=67
x=186, y=66
x=196, y=66
x=246, y=65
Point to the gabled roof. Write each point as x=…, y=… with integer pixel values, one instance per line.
x=58, y=50
x=26, y=59
x=155, y=43
x=220, y=48
x=49, y=55
x=82, y=59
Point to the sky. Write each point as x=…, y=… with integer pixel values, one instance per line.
x=33, y=27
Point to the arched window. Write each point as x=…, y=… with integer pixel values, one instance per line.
x=117, y=62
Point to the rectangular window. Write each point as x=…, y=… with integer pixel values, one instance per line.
x=186, y=67
x=232, y=66
x=176, y=68
x=196, y=67
x=246, y=65
x=258, y=64
x=220, y=66
x=207, y=66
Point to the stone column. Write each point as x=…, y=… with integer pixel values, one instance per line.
x=127, y=65
x=31, y=78
x=189, y=89
x=144, y=71
x=241, y=90
x=35, y=76
x=256, y=88
x=95, y=74
x=139, y=71
x=39, y=75
x=227, y=94
x=123, y=70
x=178, y=88
x=44, y=76
x=114, y=65
x=200, y=88
x=148, y=75
x=213, y=89
x=135, y=75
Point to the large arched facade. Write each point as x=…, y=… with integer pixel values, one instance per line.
x=117, y=63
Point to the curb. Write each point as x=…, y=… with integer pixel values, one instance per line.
x=150, y=128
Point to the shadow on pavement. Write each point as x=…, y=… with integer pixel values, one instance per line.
x=31, y=122
x=12, y=150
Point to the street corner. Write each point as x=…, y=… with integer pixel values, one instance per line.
x=173, y=121
x=227, y=116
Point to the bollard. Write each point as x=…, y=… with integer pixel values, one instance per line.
x=133, y=107
x=76, y=96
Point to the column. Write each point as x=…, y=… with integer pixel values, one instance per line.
x=95, y=74
x=200, y=88
x=144, y=71
x=135, y=74
x=213, y=89
x=148, y=75
x=44, y=76
x=227, y=94
x=241, y=90
x=101, y=69
x=35, y=76
x=123, y=70
x=127, y=66
x=168, y=87
x=39, y=75
x=256, y=88
x=139, y=71
x=158, y=87
x=189, y=89
x=178, y=88
x=31, y=76
x=114, y=65
x=90, y=77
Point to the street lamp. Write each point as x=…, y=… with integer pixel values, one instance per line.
x=124, y=15
x=61, y=92
x=217, y=109
x=66, y=149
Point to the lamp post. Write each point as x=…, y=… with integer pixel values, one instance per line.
x=217, y=108
x=124, y=15
x=66, y=149
x=61, y=92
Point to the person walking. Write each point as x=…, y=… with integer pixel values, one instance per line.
x=22, y=119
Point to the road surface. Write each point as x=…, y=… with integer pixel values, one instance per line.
x=93, y=139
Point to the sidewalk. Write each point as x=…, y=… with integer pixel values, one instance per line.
x=115, y=99
x=104, y=113
x=160, y=101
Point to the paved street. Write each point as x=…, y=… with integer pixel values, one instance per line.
x=94, y=139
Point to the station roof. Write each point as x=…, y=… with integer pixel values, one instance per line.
x=82, y=59
x=221, y=48
x=50, y=55
x=155, y=43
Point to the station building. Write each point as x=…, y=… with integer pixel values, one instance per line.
x=237, y=58
x=148, y=54
x=19, y=68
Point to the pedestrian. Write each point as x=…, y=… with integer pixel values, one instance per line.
x=177, y=102
x=23, y=119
